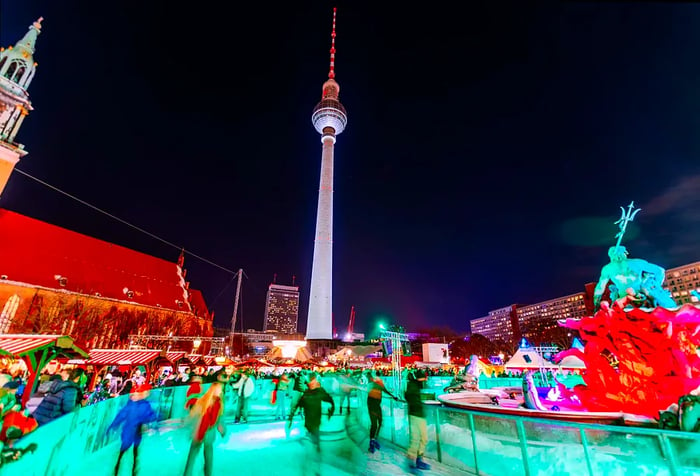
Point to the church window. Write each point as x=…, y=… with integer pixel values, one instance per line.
x=15, y=71
x=8, y=313
x=54, y=310
x=19, y=75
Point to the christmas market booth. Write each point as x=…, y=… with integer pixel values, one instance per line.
x=37, y=350
x=126, y=359
x=176, y=358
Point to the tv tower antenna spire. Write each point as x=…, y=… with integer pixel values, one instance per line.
x=331, y=72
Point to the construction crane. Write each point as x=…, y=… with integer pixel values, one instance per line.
x=351, y=324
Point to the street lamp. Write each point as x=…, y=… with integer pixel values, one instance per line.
x=195, y=344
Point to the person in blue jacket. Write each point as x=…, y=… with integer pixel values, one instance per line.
x=131, y=418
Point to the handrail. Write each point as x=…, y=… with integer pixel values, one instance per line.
x=635, y=445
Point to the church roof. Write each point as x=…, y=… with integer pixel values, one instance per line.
x=37, y=253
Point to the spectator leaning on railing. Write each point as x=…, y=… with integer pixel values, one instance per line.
x=62, y=398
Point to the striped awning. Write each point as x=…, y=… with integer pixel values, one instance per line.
x=19, y=345
x=255, y=363
x=194, y=358
x=123, y=356
x=209, y=359
x=174, y=356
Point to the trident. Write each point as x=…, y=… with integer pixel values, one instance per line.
x=624, y=220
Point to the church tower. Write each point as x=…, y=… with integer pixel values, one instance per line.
x=17, y=68
x=329, y=119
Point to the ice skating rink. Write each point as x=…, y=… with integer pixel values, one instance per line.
x=262, y=448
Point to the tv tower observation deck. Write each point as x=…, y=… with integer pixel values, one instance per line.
x=329, y=118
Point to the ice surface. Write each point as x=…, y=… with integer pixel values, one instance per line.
x=260, y=449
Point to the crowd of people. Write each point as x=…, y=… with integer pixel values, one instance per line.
x=211, y=393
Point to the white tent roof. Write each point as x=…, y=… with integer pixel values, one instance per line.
x=572, y=362
x=528, y=358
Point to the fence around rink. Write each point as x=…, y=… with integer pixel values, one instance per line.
x=483, y=443
x=478, y=442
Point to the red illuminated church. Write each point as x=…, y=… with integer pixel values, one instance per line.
x=56, y=281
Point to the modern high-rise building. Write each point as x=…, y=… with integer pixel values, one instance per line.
x=281, y=309
x=329, y=119
x=500, y=324
x=17, y=68
x=534, y=319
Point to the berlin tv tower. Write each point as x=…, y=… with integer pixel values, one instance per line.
x=329, y=119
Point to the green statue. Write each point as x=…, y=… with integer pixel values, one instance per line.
x=635, y=279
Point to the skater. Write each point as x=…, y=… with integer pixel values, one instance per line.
x=206, y=418
x=347, y=384
x=131, y=418
x=281, y=397
x=374, y=406
x=416, y=420
x=310, y=402
x=245, y=388
x=298, y=388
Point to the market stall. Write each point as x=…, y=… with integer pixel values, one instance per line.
x=37, y=350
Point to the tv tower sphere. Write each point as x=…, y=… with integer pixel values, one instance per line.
x=329, y=113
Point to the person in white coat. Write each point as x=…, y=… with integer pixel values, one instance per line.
x=245, y=387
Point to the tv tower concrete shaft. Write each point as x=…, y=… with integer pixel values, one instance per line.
x=329, y=119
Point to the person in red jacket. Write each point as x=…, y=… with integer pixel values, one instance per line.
x=205, y=419
x=194, y=391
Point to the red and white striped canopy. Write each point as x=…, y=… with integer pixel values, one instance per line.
x=209, y=359
x=194, y=358
x=123, y=356
x=174, y=356
x=18, y=344
x=22, y=344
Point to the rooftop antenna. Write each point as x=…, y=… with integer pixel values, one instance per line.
x=294, y=280
x=274, y=278
x=331, y=73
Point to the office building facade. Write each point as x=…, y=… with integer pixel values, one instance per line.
x=536, y=319
x=500, y=324
x=681, y=281
x=281, y=309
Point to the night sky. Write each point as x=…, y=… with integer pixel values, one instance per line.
x=488, y=150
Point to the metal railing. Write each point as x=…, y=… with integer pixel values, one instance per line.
x=488, y=444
